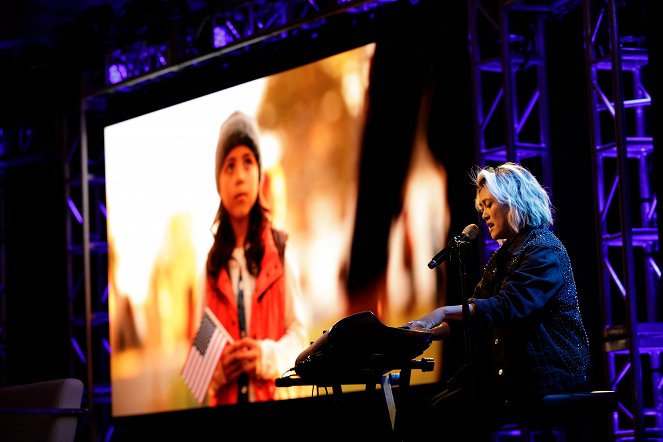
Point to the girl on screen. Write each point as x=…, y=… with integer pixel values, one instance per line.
x=250, y=280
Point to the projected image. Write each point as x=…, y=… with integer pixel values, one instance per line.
x=162, y=201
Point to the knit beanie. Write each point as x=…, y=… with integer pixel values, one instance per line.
x=238, y=129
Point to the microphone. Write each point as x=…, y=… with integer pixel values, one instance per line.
x=469, y=233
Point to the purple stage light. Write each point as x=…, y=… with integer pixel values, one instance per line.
x=221, y=37
x=116, y=73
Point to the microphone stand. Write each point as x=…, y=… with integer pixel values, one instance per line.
x=459, y=249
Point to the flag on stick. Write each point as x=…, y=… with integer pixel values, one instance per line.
x=204, y=354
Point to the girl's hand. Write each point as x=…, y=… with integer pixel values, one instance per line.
x=249, y=354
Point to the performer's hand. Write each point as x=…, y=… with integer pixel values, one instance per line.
x=427, y=322
x=440, y=332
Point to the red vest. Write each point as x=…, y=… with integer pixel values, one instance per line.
x=267, y=314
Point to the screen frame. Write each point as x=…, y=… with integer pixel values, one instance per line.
x=122, y=104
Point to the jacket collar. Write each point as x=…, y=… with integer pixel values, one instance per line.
x=515, y=245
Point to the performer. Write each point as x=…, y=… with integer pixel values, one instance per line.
x=528, y=338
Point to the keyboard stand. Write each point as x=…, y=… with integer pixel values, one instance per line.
x=370, y=378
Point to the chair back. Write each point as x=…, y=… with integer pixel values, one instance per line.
x=41, y=411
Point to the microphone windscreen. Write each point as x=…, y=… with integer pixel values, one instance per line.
x=471, y=231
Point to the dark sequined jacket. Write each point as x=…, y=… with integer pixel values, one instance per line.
x=527, y=306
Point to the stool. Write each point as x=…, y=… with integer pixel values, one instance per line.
x=563, y=417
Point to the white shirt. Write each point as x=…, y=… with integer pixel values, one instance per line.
x=277, y=356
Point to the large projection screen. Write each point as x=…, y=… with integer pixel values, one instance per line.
x=161, y=201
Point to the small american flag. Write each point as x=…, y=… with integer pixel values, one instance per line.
x=204, y=354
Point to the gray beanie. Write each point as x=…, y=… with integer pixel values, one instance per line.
x=238, y=129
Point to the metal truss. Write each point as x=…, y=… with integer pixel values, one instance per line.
x=509, y=84
x=87, y=278
x=622, y=146
x=232, y=26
